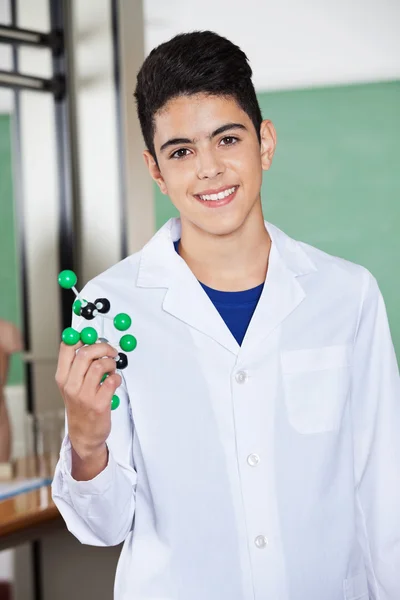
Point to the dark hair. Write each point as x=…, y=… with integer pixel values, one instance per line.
x=192, y=63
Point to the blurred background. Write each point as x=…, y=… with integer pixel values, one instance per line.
x=74, y=193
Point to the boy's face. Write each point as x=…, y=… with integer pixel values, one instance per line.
x=195, y=158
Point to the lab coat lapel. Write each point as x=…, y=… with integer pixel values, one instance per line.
x=282, y=292
x=186, y=300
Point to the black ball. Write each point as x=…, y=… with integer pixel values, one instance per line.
x=122, y=361
x=105, y=305
x=88, y=310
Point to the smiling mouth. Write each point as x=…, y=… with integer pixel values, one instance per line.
x=217, y=197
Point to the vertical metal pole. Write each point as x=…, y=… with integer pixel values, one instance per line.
x=67, y=151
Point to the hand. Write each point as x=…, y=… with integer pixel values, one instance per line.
x=88, y=404
x=10, y=338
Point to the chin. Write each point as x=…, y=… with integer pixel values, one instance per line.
x=222, y=225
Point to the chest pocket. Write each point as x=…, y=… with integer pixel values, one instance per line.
x=356, y=587
x=316, y=384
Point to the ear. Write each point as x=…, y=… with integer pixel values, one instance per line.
x=268, y=143
x=154, y=171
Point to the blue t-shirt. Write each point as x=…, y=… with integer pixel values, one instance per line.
x=236, y=308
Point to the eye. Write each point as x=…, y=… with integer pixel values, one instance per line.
x=231, y=140
x=174, y=154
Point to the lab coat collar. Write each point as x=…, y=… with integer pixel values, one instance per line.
x=162, y=267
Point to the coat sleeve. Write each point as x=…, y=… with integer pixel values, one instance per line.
x=375, y=403
x=100, y=512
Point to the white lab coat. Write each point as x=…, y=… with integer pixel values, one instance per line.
x=269, y=471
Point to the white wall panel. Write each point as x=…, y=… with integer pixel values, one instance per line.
x=97, y=137
x=292, y=43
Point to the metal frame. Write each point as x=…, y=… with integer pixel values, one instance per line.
x=17, y=81
x=59, y=87
x=11, y=34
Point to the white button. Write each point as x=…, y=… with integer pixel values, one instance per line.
x=253, y=460
x=241, y=376
x=261, y=541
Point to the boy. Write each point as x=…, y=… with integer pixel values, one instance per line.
x=256, y=450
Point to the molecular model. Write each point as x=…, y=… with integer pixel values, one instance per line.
x=98, y=309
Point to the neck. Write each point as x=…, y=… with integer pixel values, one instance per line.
x=232, y=262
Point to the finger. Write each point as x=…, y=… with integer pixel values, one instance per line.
x=108, y=389
x=84, y=358
x=66, y=357
x=94, y=375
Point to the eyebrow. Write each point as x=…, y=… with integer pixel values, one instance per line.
x=222, y=129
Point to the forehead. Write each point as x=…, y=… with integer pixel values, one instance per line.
x=196, y=116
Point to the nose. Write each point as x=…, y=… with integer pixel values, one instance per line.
x=208, y=165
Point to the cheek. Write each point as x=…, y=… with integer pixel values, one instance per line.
x=247, y=166
x=178, y=179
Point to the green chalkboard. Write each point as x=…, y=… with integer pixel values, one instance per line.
x=335, y=180
x=9, y=278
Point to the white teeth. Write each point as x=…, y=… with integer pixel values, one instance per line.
x=219, y=196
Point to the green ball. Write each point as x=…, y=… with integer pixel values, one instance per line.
x=114, y=402
x=76, y=307
x=67, y=279
x=89, y=336
x=70, y=336
x=122, y=321
x=128, y=343
x=104, y=377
